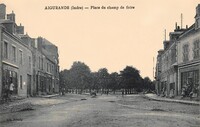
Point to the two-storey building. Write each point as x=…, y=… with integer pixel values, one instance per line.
x=189, y=55
x=30, y=63
x=16, y=57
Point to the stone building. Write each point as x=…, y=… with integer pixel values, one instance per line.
x=189, y=55
x=52, y=65
x=167, y=69
x=16, y=57
x=30, y=63
x=179, y=63
x=46, y=67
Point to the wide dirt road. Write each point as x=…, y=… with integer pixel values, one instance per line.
x=109, y=111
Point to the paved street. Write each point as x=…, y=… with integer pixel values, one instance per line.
x=107, y=111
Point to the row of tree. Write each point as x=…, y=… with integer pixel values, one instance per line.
x=80, y=78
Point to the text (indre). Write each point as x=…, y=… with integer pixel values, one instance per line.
x=76, y=7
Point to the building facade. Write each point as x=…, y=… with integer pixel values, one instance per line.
x=16, y=59
x=179, y=63
x=45, y=65
x=24, y=60
x=167, y=69
x=189, y=58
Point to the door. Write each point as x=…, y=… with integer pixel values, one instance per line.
x=28, y=85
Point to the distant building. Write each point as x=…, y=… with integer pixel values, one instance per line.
x=47, y=68
x=31, y=64
x=158, y=86
x=179, y=62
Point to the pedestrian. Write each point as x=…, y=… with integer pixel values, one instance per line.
x=163, y=92
x=171, y=95
x=11, y=88
x=63, y=91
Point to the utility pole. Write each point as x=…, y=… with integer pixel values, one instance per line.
x=1, y=49
x=181, y=20
x=153, y=68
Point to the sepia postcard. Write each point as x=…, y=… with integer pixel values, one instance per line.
x=99, y=63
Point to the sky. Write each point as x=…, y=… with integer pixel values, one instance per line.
x=106, y=38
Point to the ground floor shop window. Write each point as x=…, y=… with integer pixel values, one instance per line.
x=8, y=78
x=42, y=84
x=49, y=84
x=190, y=82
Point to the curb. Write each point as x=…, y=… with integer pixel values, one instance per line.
x=49, y=96
x=174, y=101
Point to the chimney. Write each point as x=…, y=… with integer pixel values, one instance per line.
x=20, y=29
x=2, y=11
x=39, y=43
x=160, y=52
x=181, y=20
x=11, y=16
x=176, y=27
x=166, y=45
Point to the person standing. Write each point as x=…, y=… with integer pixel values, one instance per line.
x=11, y=88
x=122, y=92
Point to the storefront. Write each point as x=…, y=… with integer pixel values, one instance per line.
x=49, y=87
x=9, y=75
x=190, y=78
x=44, y=83
x=40, y=83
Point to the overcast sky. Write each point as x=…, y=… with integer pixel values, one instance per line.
x=104, y=38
